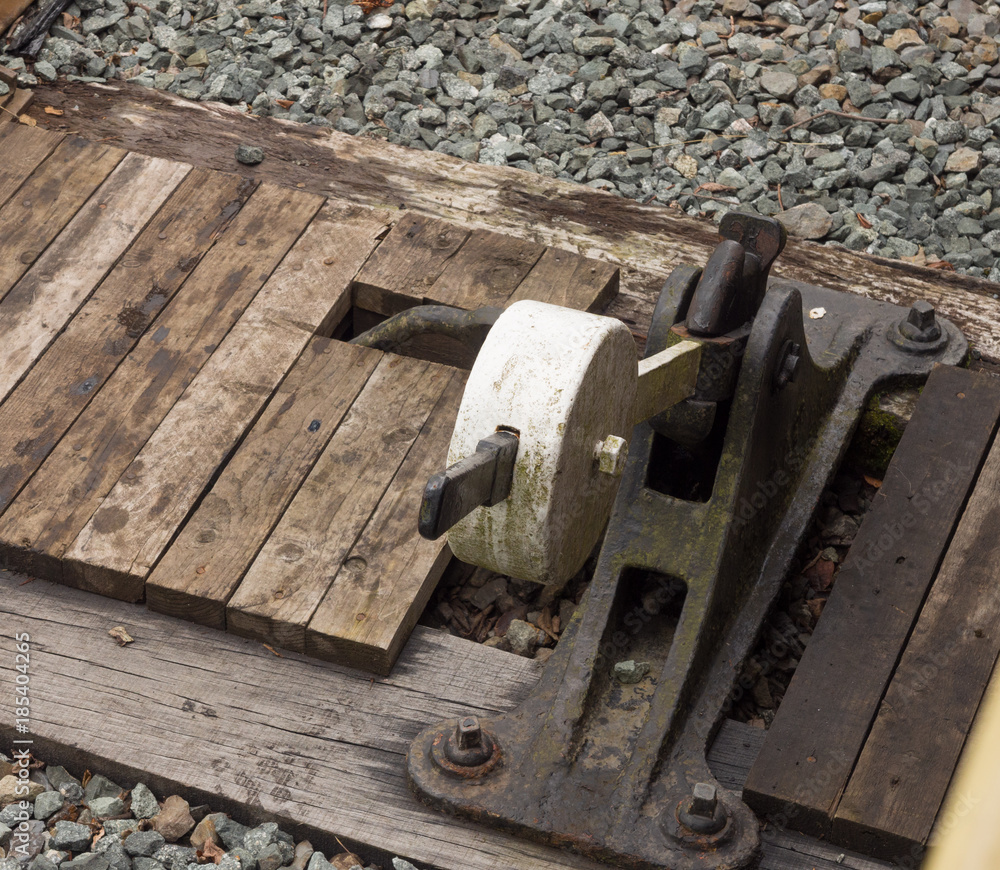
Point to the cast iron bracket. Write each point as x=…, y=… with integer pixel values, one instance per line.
x=685, y=577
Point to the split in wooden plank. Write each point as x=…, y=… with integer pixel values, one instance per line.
x=383, y=585
x=485, y=271
x=564, y=278
x=67, y=377
x=899, y=783
x=23, y=150
x=135, y=523
x=297, y=565
x=71, y=484
x=821, y=726
x=63, y=277
x=406, y=264
x=47, y=201
x=202, y=568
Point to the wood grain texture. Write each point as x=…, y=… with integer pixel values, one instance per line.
x=10, y=10
x=647, y=242
x=202, y=568
x=72, y=483
x=486, y=271
x=562, y=278
x=24, y=148
x=406, y=264
x=898, y=786
x=142, y=513
x=384, y=584
x=60, y=280
x=81, y=359
x=47, y=201
x=282, y=735
x=297, y=565
x=821, y=726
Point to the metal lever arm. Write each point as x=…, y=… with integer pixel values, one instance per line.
x=484, y=478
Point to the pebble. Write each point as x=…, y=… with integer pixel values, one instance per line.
x=251, y=155
x=807, y=221
x=144, y=803
x=143, y=843
x=630, y=671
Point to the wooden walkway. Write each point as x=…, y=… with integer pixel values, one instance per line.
x=176, y=421
x=866, y=741
x=314, y=746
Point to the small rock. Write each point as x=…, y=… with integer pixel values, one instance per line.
x=99, y=786
x=174, y=819
x=144, y=803
x=143, y=843
x=250, y=155
x=106, y=807
x=523, y=637
x=686, y=165
x=48, y=804
x=205, y=832
x=14, y=790
x=71, y=837
x=781, y=85
x=87, y=861
x=401, y=864
x=963, y=160
x=807, y=221
x=630, y=671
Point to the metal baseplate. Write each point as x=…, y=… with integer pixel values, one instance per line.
x=715, y=498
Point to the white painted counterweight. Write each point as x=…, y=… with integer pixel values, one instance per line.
x=566, y=382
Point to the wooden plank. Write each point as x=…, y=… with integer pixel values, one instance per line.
x=570, y=280
x=17, y=104
x=23, y=150
x=899, y=783
x=406, y=264
x=294, y=570
x=60, y=280
x=486, y=271
x=283, y=735
x=47, y=201
x=828, y=709
x=142, y=513
x=78, y=363
x=71, y=484
x=383, y=585
x=200, y=571
x=733, y=752
x=646, y=241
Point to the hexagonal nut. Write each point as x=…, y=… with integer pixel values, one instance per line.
x=611, y=455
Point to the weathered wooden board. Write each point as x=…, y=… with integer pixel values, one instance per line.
x=81, y=359
x=821, y=726
x=60, y=280
x=646, y=241
x=200, y=571
x=295, y=569
x=142, y=513
x=899, y=782
x=283, y=737
x=567, y=279
x=486, y=271
x=406, y=264
x=45, y=203
x=24, y=149
x=71, y=484
x=383, y=585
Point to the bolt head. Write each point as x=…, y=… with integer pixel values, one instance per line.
x=704, y=800
x=921, y=315
x=611, y=455
x=468, y=734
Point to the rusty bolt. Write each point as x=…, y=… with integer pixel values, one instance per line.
x=704, y=800
x=921, y=315
x=611, y=455
x=468, y=734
